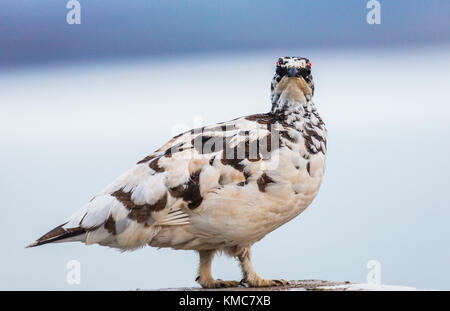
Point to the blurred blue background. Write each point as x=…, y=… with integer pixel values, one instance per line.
x=79, y=104
x=34, y=32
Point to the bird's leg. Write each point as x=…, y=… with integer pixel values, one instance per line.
x=205, y=278
x=250, y=276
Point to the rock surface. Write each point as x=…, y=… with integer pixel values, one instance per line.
x=298, y=285
x=307, y=285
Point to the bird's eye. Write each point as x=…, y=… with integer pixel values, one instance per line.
x=276, y=63
x=309, y=64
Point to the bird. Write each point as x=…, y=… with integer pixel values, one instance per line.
x=217, y=189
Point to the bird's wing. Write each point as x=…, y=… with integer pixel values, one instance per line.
x=164, y=188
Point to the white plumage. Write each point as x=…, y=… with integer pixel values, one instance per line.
x=220, y=187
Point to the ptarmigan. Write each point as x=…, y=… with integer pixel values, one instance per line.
x=218, y=188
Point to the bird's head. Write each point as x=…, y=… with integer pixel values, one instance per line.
x=295, y=70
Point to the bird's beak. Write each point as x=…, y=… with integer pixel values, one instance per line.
x=292, y=72
x=297, y=73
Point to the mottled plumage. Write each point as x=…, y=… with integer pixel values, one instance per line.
x=220, y=187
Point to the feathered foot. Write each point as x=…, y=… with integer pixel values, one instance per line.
x=212, y=283
x=205, y=278
x=260, y=282
x=251, y=278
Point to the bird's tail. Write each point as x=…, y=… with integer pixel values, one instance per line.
x=60, y=234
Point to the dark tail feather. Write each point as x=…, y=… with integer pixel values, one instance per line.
x=57, y=234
